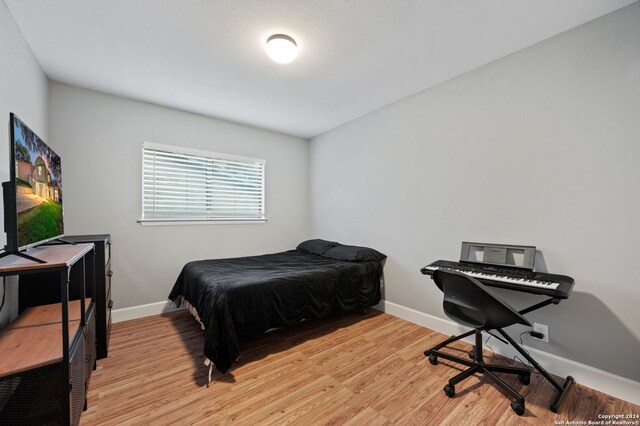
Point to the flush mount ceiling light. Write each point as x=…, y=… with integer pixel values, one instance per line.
x=281, y=48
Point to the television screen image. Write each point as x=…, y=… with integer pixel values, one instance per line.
x=38, y=184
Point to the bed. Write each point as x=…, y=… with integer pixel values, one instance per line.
x=240, y=299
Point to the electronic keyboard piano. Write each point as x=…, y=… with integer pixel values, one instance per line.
x=557, y=286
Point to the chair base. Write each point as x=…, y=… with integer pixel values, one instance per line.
x=477, y=365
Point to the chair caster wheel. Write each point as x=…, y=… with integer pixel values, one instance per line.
x=433, y=359
x=450, y=391
x=525, y=380
x=517, y=407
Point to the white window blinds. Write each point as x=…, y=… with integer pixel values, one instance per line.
x=184, y=184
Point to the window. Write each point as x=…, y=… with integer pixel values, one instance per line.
x=181, y=184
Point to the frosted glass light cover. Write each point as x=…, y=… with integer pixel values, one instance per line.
x=281, y=48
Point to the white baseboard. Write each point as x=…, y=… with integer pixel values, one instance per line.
x=126, y=314
x=603, y=381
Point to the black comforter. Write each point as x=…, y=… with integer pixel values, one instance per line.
x=241, y=298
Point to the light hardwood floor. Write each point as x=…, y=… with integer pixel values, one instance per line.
x=350, y=369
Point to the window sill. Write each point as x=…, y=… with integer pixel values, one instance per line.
x=180, y=222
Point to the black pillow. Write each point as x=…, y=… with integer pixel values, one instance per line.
x=354, y=254
x=316, y=246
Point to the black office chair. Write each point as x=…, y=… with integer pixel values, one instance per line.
x=470, y=303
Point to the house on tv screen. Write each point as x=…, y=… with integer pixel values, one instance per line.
x=36, y=179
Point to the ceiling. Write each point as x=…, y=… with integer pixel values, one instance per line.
x=207, y=56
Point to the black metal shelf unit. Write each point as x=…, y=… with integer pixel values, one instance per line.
x=45, y=381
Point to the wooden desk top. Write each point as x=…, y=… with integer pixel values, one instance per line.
x=34, y=339
x=57, y=257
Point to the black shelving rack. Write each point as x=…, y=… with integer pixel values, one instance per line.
x=37, y=387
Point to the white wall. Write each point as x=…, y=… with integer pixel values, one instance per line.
x=99, y=138
x=541, y=147
x=23, y=91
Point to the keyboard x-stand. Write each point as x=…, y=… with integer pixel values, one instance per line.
x=557, y=287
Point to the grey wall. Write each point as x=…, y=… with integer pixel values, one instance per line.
x=23, y=91
x=541, y=147
x=99, y=138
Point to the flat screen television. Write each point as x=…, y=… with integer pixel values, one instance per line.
x=33, y=196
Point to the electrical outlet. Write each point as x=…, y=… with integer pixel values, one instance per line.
x=542, y=328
